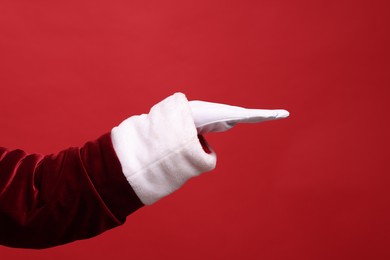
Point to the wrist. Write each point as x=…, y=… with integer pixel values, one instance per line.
x=161, y=150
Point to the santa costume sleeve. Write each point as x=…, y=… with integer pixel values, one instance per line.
x=81, y=192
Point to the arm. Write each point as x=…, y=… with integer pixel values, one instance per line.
x=55, y=199
x=81, y=192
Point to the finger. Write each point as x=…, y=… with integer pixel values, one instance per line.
x=262, y=115
x=212, y=112
x=215, y=117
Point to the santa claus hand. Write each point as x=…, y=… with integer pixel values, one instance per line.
x=214, y=117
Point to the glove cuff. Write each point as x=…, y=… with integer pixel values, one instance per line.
x=160, y=151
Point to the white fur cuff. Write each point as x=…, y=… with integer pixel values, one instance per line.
x=160, y=151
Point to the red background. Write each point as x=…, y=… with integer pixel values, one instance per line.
x=314, y=186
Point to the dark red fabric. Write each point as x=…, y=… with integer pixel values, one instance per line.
x=55, y=199
x=204, y=144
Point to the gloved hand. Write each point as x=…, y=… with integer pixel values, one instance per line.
x=214, y=117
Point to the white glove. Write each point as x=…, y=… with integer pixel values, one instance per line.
x=214, y=117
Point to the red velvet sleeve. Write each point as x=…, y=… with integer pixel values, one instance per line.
x=55, y=199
